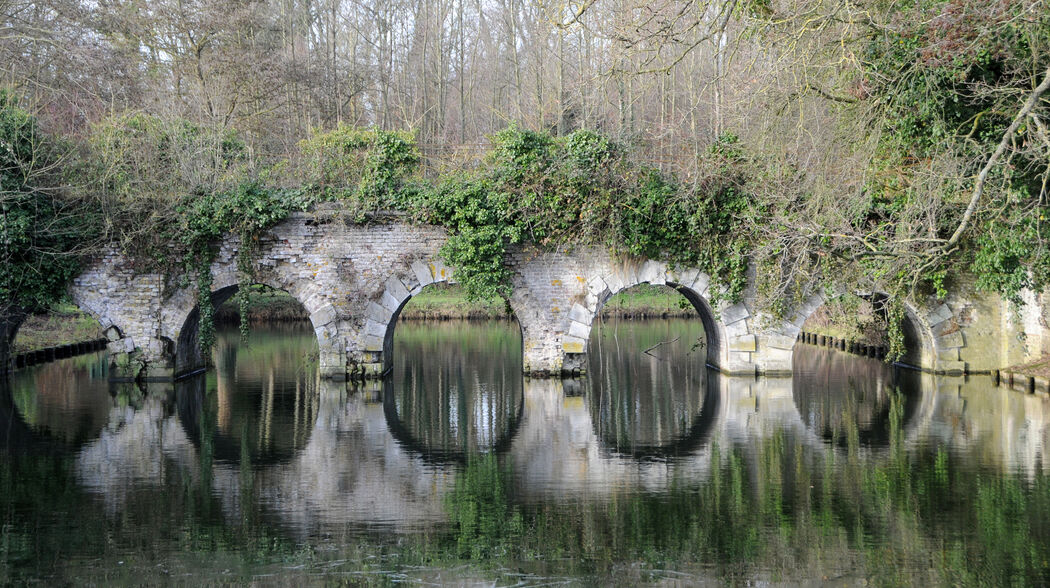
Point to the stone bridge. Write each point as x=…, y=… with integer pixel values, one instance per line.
x=354, y=279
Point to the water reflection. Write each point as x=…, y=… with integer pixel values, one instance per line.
x=449, y=401
x=850, y=468
x=646, y=387
x=260, y=402
x=66, y=401
x=839, y=395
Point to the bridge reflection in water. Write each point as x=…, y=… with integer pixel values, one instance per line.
x=313, y=456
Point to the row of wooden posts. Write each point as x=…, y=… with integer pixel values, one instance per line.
x=847, y=345
x=58, y=352
x=1021, y=382
x=1017, y=381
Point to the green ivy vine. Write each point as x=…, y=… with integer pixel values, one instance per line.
x=245, y=211
x=585, y=190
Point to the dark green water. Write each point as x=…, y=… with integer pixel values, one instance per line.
x=457, y=470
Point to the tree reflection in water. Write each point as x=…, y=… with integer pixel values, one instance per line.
x=847, y=471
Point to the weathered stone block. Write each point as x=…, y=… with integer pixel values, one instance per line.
x=571, y=344
x=597, y=286
x=323, y=315
x=778, y=341
x=700, y=284
x=397, y=289
x=422, y=273
x=390, y=303
x=743, y=343
x=940, y=314
x=735, y=313
x=686, y=278
x=951, y=340
x=375, y=329
x=948, y=354
x=373, y=343
x=579, y=330
x=580, y=314
x=653, y=272
x=378, y=313
x=614, y=281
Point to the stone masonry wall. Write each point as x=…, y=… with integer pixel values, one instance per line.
x=354, y=279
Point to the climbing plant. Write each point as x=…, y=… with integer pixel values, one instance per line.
x=245, y=211
x=585, y=190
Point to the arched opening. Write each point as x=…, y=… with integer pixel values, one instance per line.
x=860, y=324
x=647, y=371
x=455, y=383
x=843, y=388
x=260, y=401
x=272, y=313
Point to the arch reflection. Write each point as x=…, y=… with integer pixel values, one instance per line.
x=260, y=402
x=647, y=388
x=456, y=389
x=839, y=395
x=67, y=402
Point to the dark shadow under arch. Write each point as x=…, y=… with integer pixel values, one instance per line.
x=917, y=348
x=715, y=353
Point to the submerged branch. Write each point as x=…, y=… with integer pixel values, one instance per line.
x=659, y=344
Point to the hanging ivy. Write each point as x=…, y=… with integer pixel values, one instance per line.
x=246, y=211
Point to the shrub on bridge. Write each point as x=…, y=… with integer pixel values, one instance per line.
x=585, y=190
x=366, y=170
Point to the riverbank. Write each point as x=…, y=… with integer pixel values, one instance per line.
x=64, y=324
x=449, y=302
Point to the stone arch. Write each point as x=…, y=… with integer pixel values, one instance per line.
x=180, y=322
x=730, y=341
x=377, y=332
x=933, y=338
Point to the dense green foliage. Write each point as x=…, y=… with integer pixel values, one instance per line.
x=39, y=229
x=584, y=189
x=946, y=84
x=365, y=169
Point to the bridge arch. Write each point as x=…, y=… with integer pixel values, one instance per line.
x=730, y=341
x=12, y=319
x=181, y=321
x=375, y=349
x=933, y=340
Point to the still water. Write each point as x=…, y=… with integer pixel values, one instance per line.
x=455, y=469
